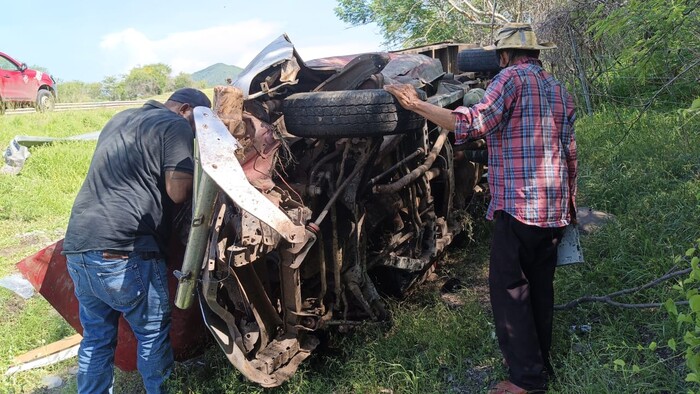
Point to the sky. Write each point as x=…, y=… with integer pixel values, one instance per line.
x=87, y=40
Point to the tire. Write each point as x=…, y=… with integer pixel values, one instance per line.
x=478, y=60
x=348, y=113
x=2, y=107
x=45, y=101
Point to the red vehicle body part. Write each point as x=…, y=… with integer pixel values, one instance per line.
x=20, y=85
x=46, y=270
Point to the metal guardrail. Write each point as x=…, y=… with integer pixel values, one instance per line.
x=79, y=106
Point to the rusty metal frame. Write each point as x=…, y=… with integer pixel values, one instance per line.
x=217, y=150
x=273, y=365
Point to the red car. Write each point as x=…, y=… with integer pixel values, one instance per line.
x=23, y=87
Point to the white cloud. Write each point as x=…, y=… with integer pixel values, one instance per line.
x=190, y=51
x=187, y=51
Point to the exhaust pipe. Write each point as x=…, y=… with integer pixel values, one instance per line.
x=197, y=242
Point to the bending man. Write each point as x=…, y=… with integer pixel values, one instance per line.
x=115, y=242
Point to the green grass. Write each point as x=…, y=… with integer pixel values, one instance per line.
x=34, y=210
x=35, y=205
x=650, y=182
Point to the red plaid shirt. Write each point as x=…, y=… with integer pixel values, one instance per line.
x=527, y=118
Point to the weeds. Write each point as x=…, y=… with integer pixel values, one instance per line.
x=651, y=183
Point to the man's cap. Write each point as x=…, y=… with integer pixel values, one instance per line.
x=518, y=36
x=193, y=97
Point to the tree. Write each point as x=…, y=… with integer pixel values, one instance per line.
x=113, y=88
x=184, y=80
x=659, y=41
x=146, y=81
x=77, y=91
x=409, y=23
x=629, y=52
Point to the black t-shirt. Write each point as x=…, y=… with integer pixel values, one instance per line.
x=123, y=204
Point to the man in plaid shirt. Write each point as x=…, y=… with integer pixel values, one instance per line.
x=527, y=118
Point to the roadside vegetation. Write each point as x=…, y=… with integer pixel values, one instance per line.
x=139, y=83
x=634, y=69
x=651, y=183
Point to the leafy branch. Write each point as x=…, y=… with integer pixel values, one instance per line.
x=653, y=98
x=608, y=299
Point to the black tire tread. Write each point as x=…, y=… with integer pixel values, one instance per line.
x=477, y=60
x=351, y=113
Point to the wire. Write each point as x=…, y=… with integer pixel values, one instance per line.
x=228, y=271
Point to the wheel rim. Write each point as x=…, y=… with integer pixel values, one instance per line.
x=46, y=103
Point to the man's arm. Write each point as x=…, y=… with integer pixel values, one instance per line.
x=407, y=96
x=178, y=185
x=473, y=122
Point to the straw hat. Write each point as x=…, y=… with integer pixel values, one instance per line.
x=518, y=36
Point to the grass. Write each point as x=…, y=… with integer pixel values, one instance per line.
x=34, y=210
x=35, y=205
x=650, y=182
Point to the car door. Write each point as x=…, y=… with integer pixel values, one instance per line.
x=5, y=76
x=15, y=85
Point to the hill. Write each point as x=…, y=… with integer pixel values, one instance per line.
x=216, y=74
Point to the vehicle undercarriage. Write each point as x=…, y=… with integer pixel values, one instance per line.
x=316, y=196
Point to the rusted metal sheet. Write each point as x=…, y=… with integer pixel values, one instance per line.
x=259, y=153
x=228, y=106
x=258, y=145
x=334, y=63
x=46, y=270
x=354, y=74
x=447, y=52
x=569, y=250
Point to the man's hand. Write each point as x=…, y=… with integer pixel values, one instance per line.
x=405, y=94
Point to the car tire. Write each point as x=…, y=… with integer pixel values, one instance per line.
x=45, y=101
x=2, y=107
x=478, y=60
x=348, y=113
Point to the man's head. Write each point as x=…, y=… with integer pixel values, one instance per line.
x=183, y=101
x=516, y=40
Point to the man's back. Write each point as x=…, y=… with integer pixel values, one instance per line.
x=527, y=119
x=534, y=147
x=122, y=202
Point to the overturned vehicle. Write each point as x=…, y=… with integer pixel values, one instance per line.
x=316, y=194
x=338, y=195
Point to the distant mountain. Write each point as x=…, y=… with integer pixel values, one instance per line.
x=216, y=74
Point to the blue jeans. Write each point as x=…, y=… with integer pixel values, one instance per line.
x=106, y=287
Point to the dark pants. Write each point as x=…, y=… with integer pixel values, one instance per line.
x=523, y=259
